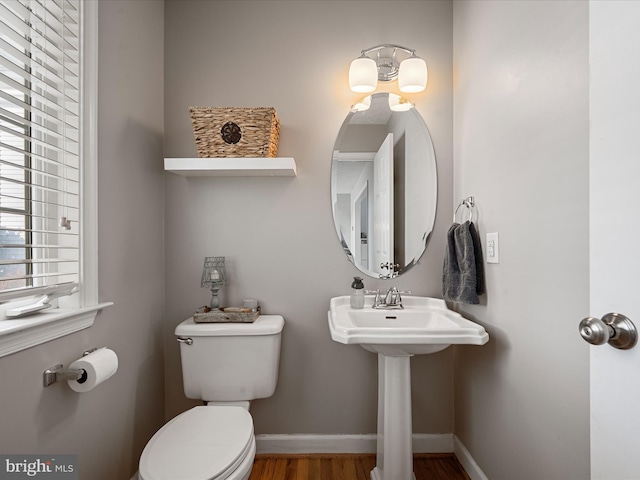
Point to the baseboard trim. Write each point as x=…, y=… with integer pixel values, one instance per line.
x=467, y=461
x=422, y=443
x=307, y=443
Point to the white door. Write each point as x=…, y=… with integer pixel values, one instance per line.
x=383, y=206
x=359, y=199
x=614, y=45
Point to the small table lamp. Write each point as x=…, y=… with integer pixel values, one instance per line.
x=213, y=277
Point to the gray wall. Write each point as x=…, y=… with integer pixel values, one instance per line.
x=277, y=233
x=521, y=144
x=109, y=426
x=521, y=148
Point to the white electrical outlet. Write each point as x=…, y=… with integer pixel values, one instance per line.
x=493, y=248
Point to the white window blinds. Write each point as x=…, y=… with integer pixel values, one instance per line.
x=39, y=144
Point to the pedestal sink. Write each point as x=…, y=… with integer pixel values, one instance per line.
x=424, y=325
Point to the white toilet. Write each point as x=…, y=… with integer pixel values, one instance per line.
x=226, y=365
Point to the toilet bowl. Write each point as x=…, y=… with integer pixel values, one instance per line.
x=226, y=365
x=204, y=443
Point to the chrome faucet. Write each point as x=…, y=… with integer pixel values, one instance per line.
x=392, y=299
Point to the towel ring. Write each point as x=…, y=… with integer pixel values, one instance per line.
x=467, y=202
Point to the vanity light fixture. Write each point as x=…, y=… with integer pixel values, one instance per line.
x=362, y=105
x=396, y=104
x=385, y=63
x=399, y=104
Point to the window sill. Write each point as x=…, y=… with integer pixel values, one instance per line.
x=22, y=333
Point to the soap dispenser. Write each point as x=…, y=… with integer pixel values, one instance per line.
x=357, y=293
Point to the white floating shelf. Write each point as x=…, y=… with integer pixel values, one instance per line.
x=231, y=167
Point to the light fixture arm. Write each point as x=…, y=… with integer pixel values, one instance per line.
x=385, y=56
x=367, y=51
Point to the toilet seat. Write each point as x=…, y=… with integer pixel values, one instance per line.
x=204, y=443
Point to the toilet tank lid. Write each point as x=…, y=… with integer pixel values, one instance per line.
x=263, y=325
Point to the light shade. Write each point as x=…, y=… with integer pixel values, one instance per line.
x=398, y=103
x=412, y=77
x=363, y=75
x=362, y=105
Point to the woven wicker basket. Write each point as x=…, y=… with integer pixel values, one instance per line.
x=235, y=131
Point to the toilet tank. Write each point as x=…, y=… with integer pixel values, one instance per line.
x=227, y=362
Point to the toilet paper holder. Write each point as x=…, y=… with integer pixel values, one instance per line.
x=58, y=373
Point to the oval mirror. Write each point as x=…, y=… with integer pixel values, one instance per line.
x=384, y=185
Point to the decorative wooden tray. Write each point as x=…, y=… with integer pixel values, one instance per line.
x=226, y=315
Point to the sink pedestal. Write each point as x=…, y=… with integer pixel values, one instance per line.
x=394, y=460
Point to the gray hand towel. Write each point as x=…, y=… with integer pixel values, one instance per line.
x=477, y=252
x=460, y=270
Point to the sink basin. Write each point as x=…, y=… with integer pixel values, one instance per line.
x=425, y=325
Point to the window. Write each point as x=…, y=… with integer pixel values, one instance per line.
x=48, y=66
x=39, y=144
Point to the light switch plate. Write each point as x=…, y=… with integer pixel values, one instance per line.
x=493, y=248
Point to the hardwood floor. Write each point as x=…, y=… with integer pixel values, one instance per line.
x=427, y=466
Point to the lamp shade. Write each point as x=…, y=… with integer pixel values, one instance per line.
x=399, y=104
x=412, y=76
x=362, y=105
x=363, y=75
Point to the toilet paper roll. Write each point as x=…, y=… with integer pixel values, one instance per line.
x=99, y=366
